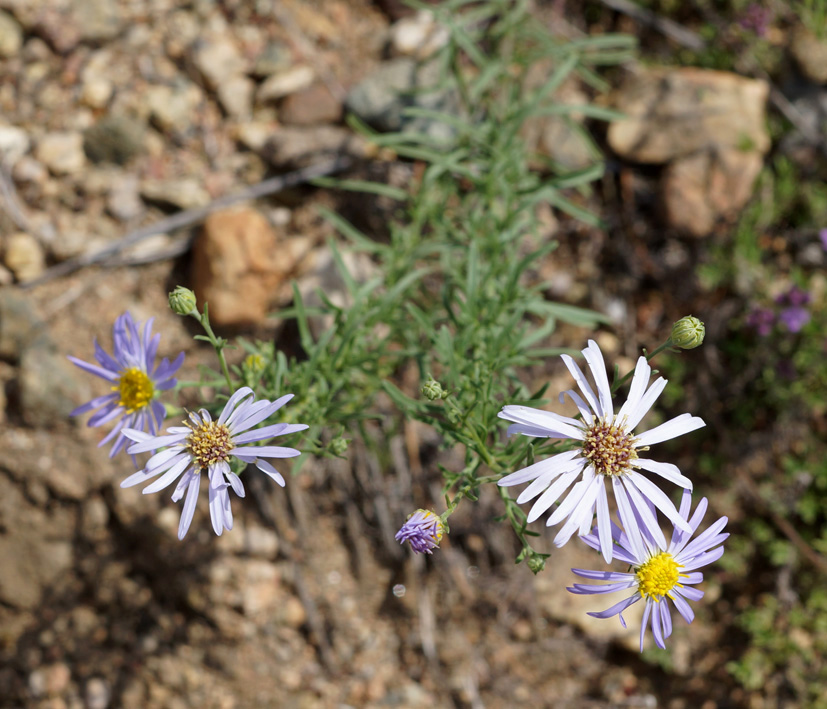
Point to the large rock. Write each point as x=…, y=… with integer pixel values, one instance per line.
x=708, y=127
x=706, y=186
x=674, y=112
x=242, y=266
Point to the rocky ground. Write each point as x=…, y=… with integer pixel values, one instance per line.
x=115, y=115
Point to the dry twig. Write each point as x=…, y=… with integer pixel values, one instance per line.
x=188, y=217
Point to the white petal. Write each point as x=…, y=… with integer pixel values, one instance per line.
x=640, y=381
x=582, y=383
x=685, y=423
x=265, y=467
x=233, y=401
x=549, y=497
x=604, y=523
x=557, y=462
x=189, y=506
x=556, y=425
x=660, y=500
x=594, y=357
x=666, y=470
x=636, y=414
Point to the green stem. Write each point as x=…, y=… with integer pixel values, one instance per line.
x=217, y=343
x=649, y=357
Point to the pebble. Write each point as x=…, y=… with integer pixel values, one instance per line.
x=98, y=694
x=49, y=389
x=62, y=153
x=27, y=169
x=381, y=97
x=11, y=35
x=20, y=325
x=292, y=145
x=97, y=92
x=313, y=105
x=14, y=143
x=24, y=256
x=114, y=139
x=98, y=20
x=276, y=57
x=124, y=199
x=185, y=193
x=236, y=96
x=286, y=82
x=418, y=36
x=217, y=59
x=810, y=53
x=172, y=108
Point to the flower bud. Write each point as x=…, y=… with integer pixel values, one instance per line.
x=338, y=446
x=182, y=301
x=536, y=562
x=688, y=333
x=432, y=390
x=423, y=531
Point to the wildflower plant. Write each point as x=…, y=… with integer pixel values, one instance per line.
x=442, y=333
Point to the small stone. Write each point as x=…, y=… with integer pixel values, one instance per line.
x=810, y=53
x=98, y=20
x=24, y=256
x=289, y=146
x=236, y=96
x=275, y=58
x=260, y=542
x=114, y=139
x=124, y=199
x=285, y=83
x=418, y=36
x=11, y=35
x=20, y=325
x=14, y=143
x=27, y=169
x=98, y=694
x=62, y=153
x=254, y=134
x=172, y=108
x=313, y=105
x=96, y=92
x=217, y=59
x=182, y=194
x=381, y=98
x=48, y=389
x=58, y=677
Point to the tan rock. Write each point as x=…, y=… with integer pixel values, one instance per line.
x=292, y=145
x=24, y=256
x=241, y=266
x=313, y=105
x=810, y=54
x=672, y=112
x=700, y=189
x=286, y=82
x=217, y=59
x=62, y=153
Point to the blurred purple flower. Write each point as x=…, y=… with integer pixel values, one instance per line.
x=795, y=297
x=135, y=381
x=761, y=320
x=823, y=236
x=794, y=318
x=756, y=19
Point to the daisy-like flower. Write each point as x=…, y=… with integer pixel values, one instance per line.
x=659, y=572
x=607, y=451
x=423, y=531
x=202, y=445
x=135, y=381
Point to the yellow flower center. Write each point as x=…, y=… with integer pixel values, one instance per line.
x=658, y=576
x=135, y=388
x=209, y=443
x=609, y=448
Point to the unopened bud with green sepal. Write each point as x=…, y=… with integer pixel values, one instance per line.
x=182, y=301
x=688, y=333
